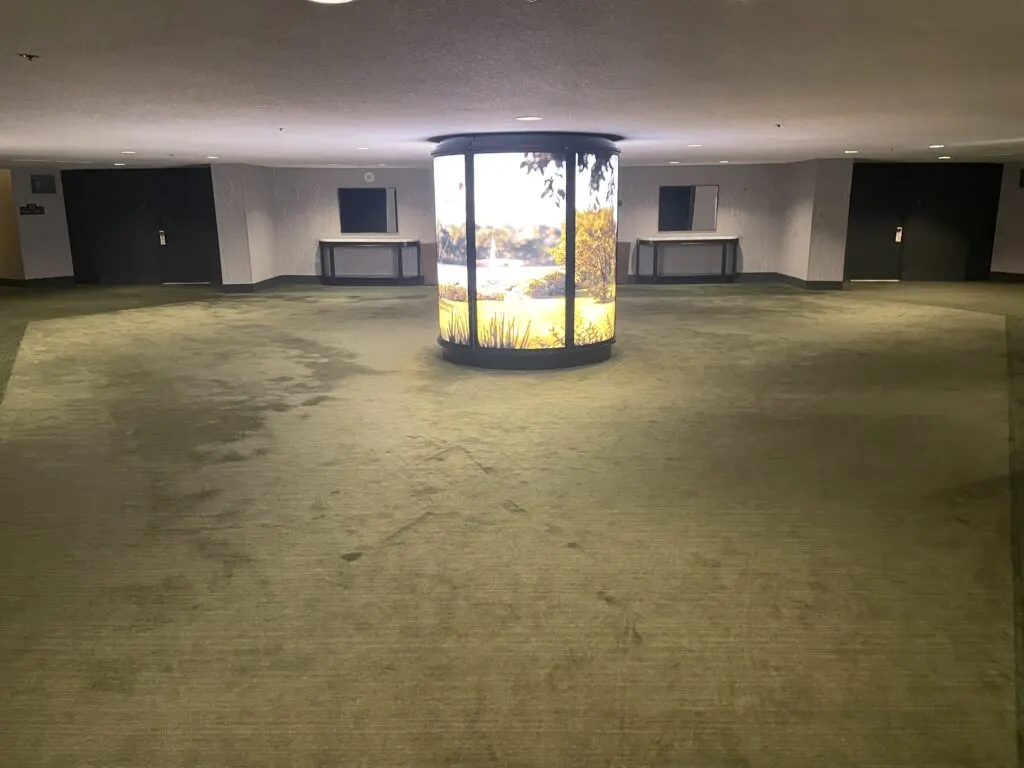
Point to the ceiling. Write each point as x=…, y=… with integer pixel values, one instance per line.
x=290, y=82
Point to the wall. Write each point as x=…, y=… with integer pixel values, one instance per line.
x=10, y=243
x=306, y=201
x=795, y=210
x=833, y=180
x=747, y=198
x=45, y=248
x=1008, y=251
x=232, y=225
x=790, y=218
x=260, y=217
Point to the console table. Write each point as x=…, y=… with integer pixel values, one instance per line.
x=370, y=261
x=662, y=259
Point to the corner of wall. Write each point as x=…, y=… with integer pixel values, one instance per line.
x=45, y=244
x=833, y=180
x=232, y=227
x=1008, y=247
x=11, y=267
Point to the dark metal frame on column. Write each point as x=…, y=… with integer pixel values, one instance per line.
x=566, y=146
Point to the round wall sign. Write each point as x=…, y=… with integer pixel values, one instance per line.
x=369, y=177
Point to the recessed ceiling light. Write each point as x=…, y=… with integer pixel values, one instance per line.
x=333, y=165
x=936, y=146
x=213, y=157
x=695, y=146
x=673, y=162
x=331, y=2
x=850, y=151
x=362, y=148
x=529, y=118
x=382, y=165
x=945, y=157
x=128, y=152
x=120, y=164
x=723, y=162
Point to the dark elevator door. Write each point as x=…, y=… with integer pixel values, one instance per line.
x=922, y=221
x=186, y=235
x=142, y=226
x=872, y=249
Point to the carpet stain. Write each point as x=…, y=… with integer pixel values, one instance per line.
x=316, y=400
x=351, y=557
x=512, y=508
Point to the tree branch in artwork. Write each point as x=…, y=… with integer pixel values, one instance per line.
x=595, y=253
x=552, y=169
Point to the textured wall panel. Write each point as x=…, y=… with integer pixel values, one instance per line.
x=10, y=245
x=1008, y=253
x=747, y=200
x=428, y=256
x=832, y=182
x=699, y=259
x=232, y=228
x=45, y=247
x=260, y=220
x=306, y=202
x=796, y=212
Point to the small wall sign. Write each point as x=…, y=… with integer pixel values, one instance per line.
x=44, y=184
x=32, y=209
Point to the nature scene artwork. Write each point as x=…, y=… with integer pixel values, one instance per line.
x=520, y=215
x=520, y=206
x=596, y=239
x=452, y=271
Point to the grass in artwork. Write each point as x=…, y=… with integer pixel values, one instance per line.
x=454, y=321
x=496, y=318
x=504, y=332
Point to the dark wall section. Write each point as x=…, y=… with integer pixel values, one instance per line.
x=945, y=214
x=142, y=226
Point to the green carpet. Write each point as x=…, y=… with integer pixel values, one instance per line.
x=10, y=342
x=278, y=530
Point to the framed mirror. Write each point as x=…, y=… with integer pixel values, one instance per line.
x=688, y=209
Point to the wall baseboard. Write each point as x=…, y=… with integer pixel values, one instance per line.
x=66, y=281
x=1006, y=277
x=683, y=279
x=271, y=282
x=352, y=281
x=741, y=277
x=796, y=282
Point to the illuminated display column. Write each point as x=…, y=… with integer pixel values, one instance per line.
x=526, y=238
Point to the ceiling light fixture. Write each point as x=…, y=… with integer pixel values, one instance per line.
x=936, y=146
x=945, y=157
x=213, y=157
x=529, y=118
x=850, y=151
x=723, y=162
x=695, y=146
x=673, y=162
x=119, y=165
x=128, y=152
x=362, y=148
x=331, y=2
